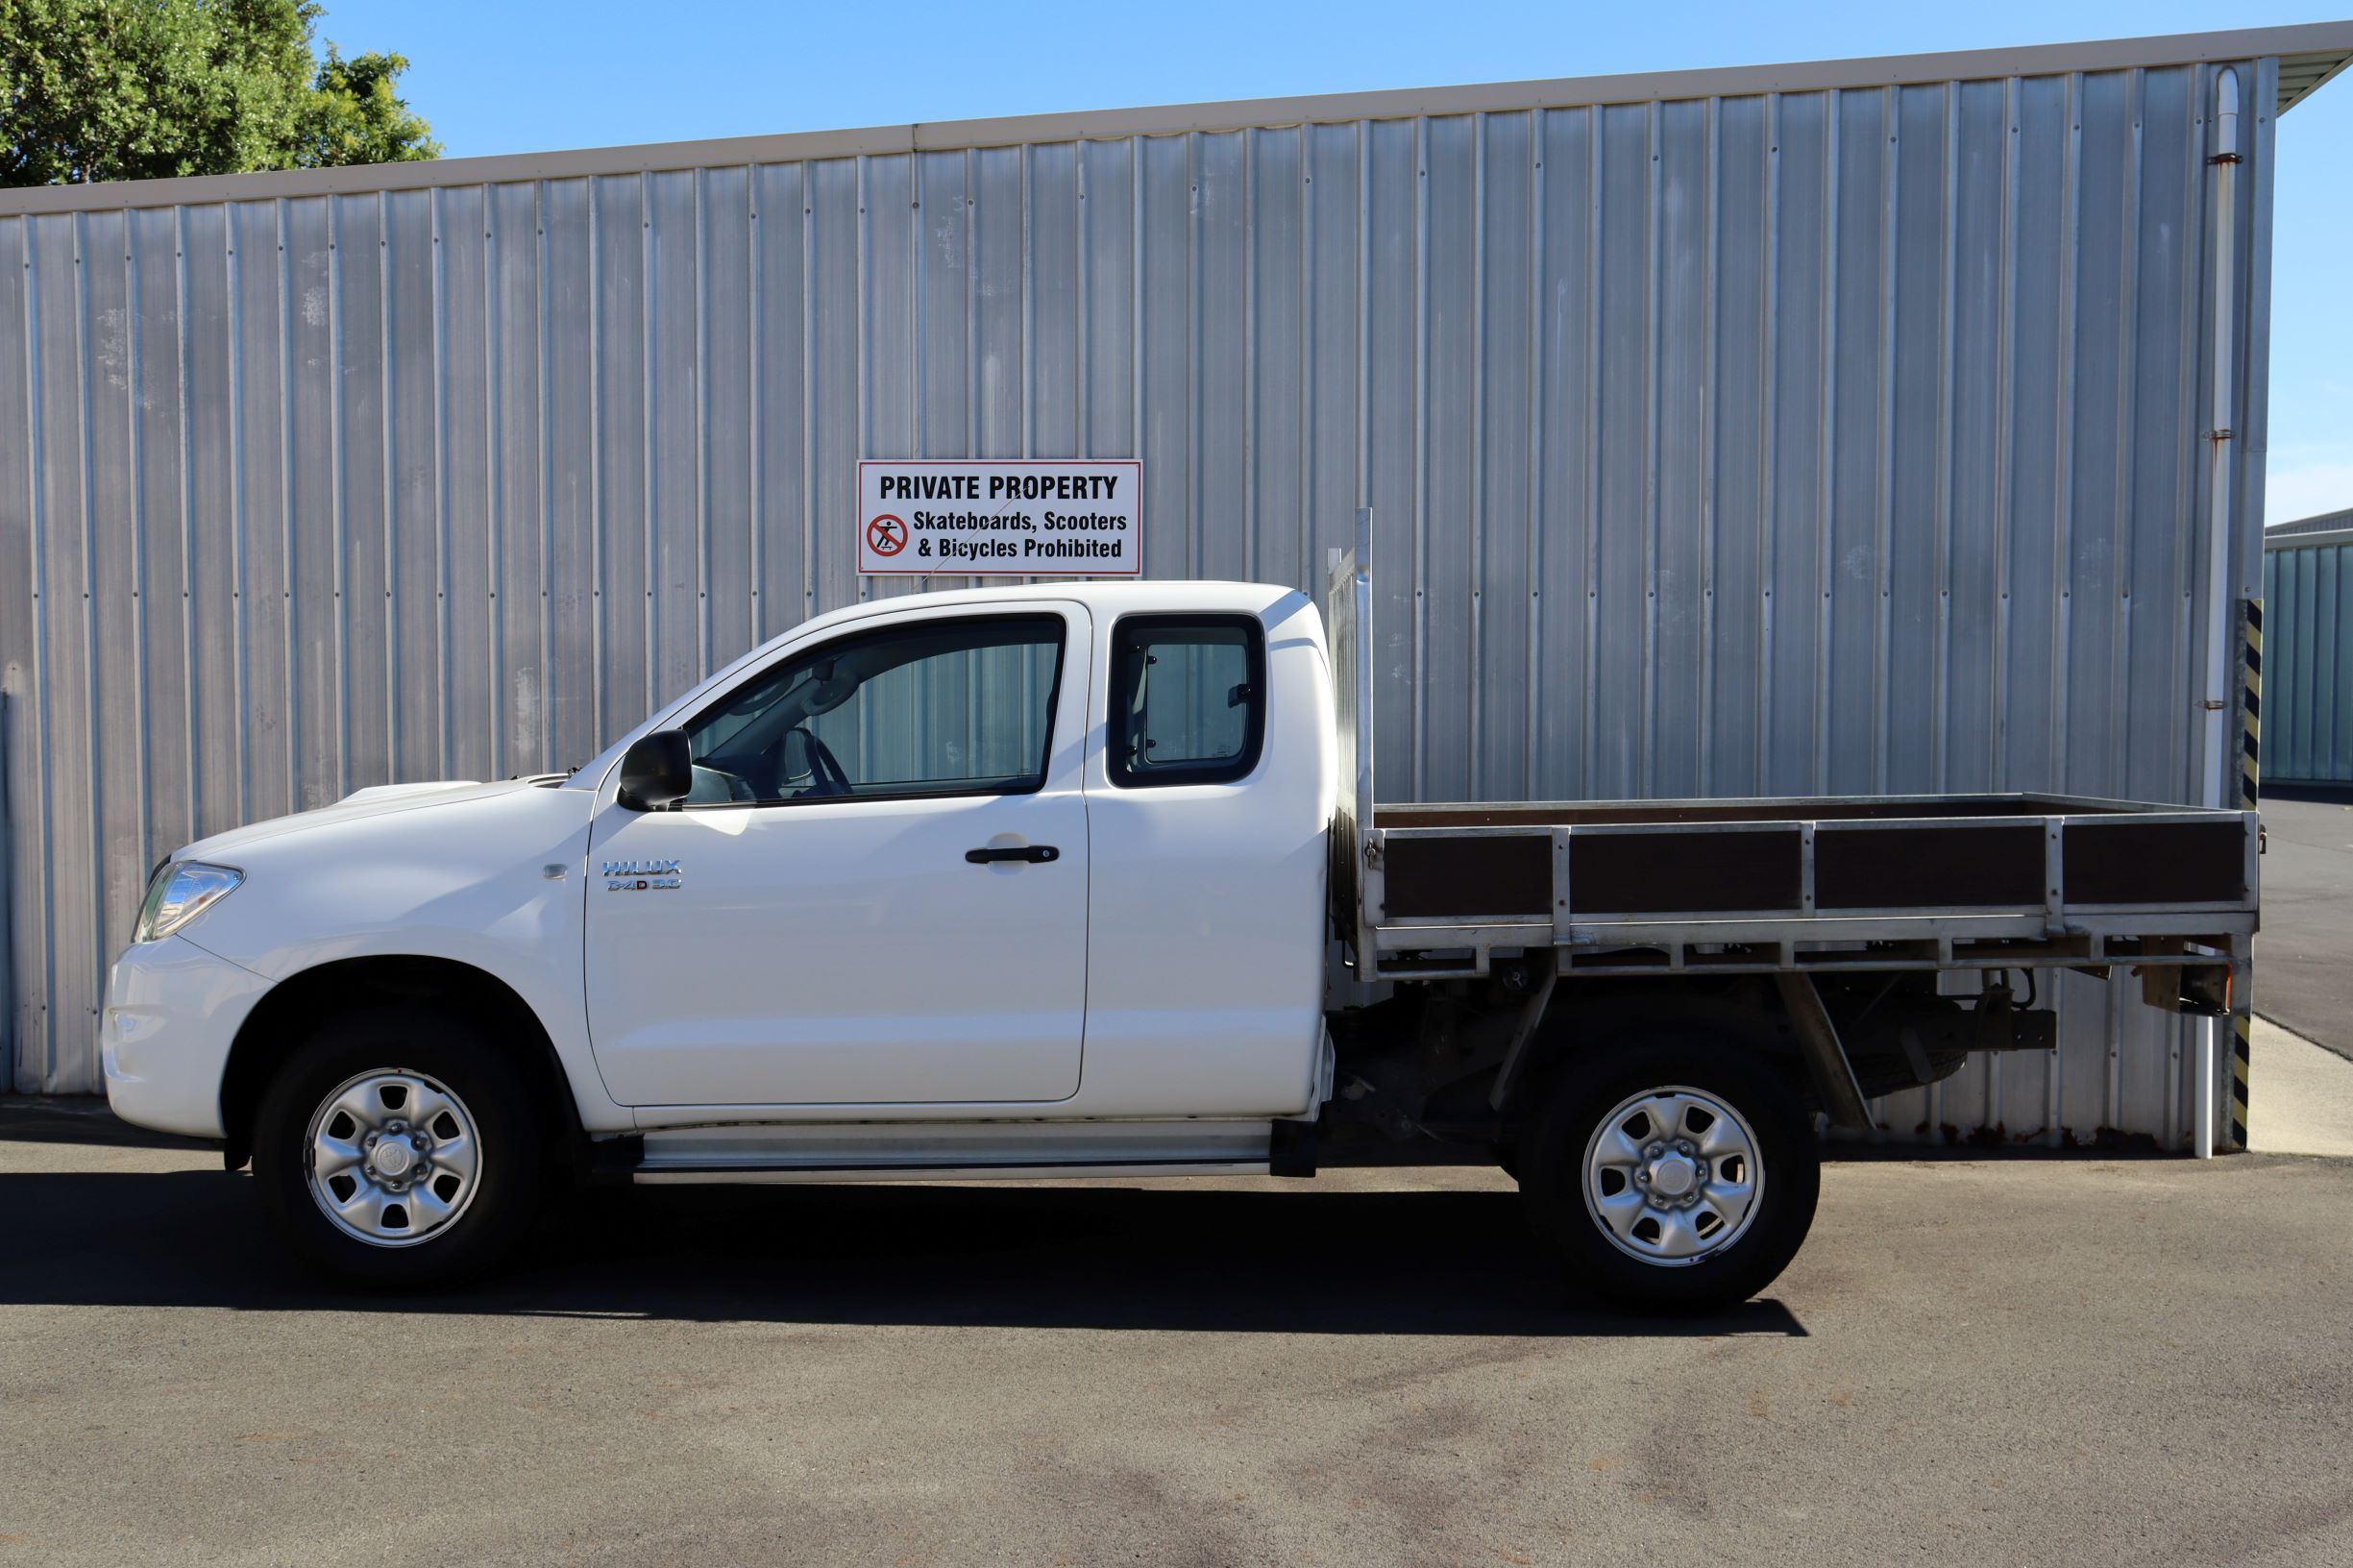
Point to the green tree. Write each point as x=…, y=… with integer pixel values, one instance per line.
x=353, y=116
x=145, y=89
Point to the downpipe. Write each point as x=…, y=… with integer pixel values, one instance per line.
x=2220, y=449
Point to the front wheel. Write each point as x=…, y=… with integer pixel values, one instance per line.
x=1673, y=1176
x=400, y=1148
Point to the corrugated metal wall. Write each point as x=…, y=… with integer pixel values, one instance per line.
x=1792, y=442
x=2307, y=657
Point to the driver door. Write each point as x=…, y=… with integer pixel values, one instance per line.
x=876, y=893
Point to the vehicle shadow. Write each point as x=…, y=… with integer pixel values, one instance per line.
x=1098, y=1256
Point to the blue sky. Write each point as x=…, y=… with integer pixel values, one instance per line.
x=498, y=78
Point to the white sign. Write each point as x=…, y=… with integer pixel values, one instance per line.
x=954, y=517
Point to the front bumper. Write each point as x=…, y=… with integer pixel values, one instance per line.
x=173, y=1011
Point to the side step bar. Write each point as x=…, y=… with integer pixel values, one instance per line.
x=934, y=1151
x=764, y=1175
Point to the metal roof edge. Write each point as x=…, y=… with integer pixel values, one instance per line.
x=2327, y=540
x=2328, y=521
x=2321, y=39
x=2325, y=66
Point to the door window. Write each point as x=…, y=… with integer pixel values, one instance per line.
x=1188, y=699
x=928, y=708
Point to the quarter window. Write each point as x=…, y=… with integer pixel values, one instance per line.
x=1188, y=699
x=927, y=708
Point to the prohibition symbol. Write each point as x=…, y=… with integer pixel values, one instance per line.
x=886, y=535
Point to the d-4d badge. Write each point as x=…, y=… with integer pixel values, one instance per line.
x=641, y=875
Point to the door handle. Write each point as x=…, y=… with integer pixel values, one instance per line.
x=1037, y=854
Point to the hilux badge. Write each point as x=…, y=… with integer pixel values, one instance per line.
x=641, y=875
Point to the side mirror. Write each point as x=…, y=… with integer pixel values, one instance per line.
x=656, y=771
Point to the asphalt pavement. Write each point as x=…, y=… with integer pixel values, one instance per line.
x=2015, y=1361
x=2304, y=954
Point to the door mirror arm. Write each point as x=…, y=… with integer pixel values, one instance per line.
x=657, y=772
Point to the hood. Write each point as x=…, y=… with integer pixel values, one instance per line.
x=376, y=800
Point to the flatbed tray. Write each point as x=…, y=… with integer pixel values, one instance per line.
x=2022, y=880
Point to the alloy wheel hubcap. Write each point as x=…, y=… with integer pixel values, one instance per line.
x=1672, y=1176
x=393, y=1158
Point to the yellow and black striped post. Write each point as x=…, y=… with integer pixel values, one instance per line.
x=2250, y=797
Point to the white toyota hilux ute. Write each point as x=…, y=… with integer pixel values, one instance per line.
x=1087, y=880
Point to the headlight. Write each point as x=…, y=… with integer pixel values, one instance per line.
x=177, y=894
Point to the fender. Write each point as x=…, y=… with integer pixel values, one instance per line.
x=492, y=879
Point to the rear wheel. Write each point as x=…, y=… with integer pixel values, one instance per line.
x=400, y=1147
x=1676, y=1175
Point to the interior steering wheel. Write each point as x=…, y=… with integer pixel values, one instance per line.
x=825, y=775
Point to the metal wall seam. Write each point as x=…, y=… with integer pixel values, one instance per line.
x=443, y=739
x=1948, y=256
x=862, y=384
x=1419, y=739
x=1029, y=320
x=1195, y=452
x=283, y=323
x=1250, y=352
x=1710, y=405
x=1533, y=550
x=1883, y=479
x=194, y=731
x=549, y=747
x=1645, y=768
x=2004, y=449
x=494, y=496
x=338, y=483
x=1086, y=308
x=1135, y=312
x=1364, y=314
x=134, y=384
x=808, y=387
x=755, y=454
x=93, y=659
x=1825, y=459
x=1590, y=718
x=2125, y=475
x=649, y=462
x=1478, y=443
x=704, y=662
x=1304, y=366
x=596, y=607
x=386, y=370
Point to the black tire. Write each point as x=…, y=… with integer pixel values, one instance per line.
x=452, y=1054
x=1599, y=1080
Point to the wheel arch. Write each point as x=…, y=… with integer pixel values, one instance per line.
x=1589, y=1016
x=278, y=1023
